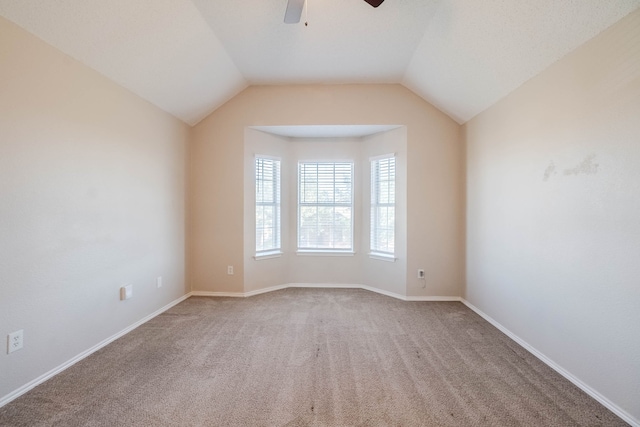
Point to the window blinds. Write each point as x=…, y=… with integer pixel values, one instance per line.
x=383, y=199
x=267, y=204
x=325, y=206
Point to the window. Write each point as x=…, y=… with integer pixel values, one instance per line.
x=267, y=206
x=383, y=200
x=325, y=206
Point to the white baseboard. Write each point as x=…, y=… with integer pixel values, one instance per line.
x=372, y=289
x=628, y=418
x=323, y=285
x=265, y=290
x=326, y=286
x=441, y=299
x=217, y=294
x=383, y=292
x=346, y=286
x=44, y=377
x=271, y=289
x=238, y=294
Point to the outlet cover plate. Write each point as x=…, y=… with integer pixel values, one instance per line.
x=15, y=341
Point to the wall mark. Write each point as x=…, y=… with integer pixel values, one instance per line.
x=587, y=167
x=550, y=170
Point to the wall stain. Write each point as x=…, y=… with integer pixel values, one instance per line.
x=587, y=167
x=550, y=170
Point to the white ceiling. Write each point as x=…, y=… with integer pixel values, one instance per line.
x=188, y=57
x=326, y=131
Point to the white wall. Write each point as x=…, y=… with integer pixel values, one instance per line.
x=92, y=196
x=434, y=178
x=553, y=214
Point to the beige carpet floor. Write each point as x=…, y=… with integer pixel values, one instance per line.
x=310, y=357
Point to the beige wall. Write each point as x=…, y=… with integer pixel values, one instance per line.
x=434, y=177
x=92, y=187
x=553, y=214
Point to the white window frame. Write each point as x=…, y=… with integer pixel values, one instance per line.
x=276, y=248
x=317, y=250
x=378, y=251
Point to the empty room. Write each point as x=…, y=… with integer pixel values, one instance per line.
x=319, y=213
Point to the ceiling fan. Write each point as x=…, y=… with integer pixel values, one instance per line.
x=294, y=10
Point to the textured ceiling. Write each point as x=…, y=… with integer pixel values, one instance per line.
x=188, y=57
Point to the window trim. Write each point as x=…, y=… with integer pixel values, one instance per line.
x=277, y=250
x=382, y=256
x=268, y=255
x=329, y=252
x=376, y=253
x=312, y=251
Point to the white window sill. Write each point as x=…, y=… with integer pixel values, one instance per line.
x=267, y=255
x=324, y=253
x=382, y=257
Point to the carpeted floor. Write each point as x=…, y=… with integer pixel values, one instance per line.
x=310, y=357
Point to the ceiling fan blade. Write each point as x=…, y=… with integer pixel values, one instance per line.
x=294, y=11
x=374, y=3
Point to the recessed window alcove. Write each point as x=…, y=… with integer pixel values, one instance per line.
x=326, y=143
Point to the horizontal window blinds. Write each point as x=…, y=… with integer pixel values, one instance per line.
x=383, y=199
x=267, y=205
x=325, y=206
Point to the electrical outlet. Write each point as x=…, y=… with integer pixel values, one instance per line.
x=421, y=274
x=15, y=341
x=230, y=270
x=126, y=292
x=159, y=282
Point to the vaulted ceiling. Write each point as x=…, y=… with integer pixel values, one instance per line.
x=188, y=57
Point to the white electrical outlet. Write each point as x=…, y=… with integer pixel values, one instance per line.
x=159, y=282
x=230, y=270
x=15, y=341
x=421, y=274
x=126, y=292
